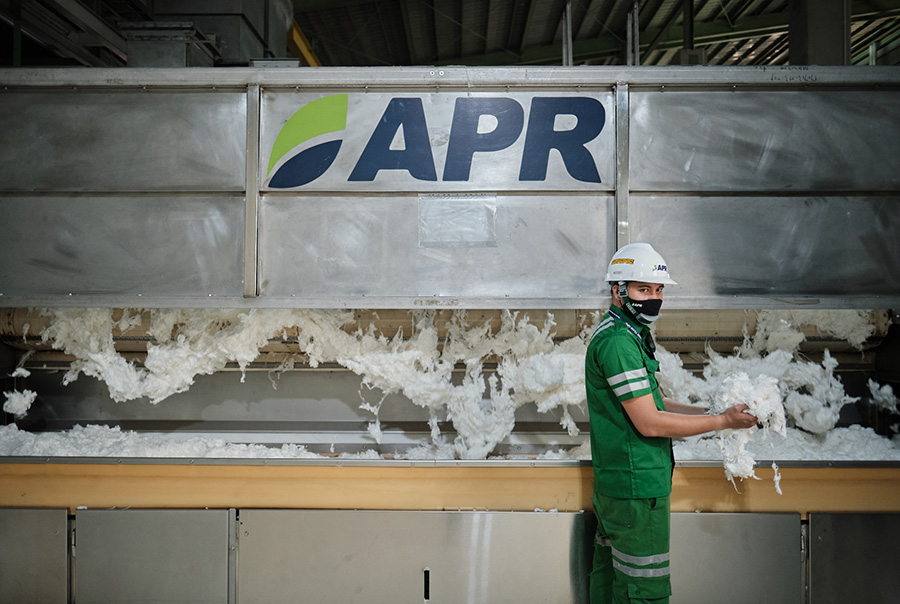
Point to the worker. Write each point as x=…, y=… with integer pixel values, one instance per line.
x=632, y=426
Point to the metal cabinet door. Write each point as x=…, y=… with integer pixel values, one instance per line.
x=737, y=558
x=853, y=558
x=410, y=557
x=152, y=556
x=34, y=556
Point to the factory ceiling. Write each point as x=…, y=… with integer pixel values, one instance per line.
x=473, y=32
x=532, y=32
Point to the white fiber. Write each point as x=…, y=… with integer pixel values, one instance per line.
x=779, y=329
x=763, y=398
x=777, y=478
x=18, y=403
x=481, y=409
x=853, y=443
x=883, y=397
x=101, y=441
x=798, y=402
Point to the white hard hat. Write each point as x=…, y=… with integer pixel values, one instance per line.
x=638, y=262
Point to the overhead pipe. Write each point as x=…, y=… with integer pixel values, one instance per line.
x=567, y=59
x=633, y=52
x=688, y=18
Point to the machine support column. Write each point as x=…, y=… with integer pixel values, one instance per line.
x=688, y=11
x=819, y=32
x=621, y=209
x=251, y=185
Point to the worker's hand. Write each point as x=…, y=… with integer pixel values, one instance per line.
x=737, y=417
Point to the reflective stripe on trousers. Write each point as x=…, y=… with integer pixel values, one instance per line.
x=633, y=566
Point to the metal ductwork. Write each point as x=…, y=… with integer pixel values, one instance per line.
x=140, y=33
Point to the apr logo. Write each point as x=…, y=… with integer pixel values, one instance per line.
x=328, y=114
x=400, y=141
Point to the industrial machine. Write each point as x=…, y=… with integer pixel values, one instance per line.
x=401, y=198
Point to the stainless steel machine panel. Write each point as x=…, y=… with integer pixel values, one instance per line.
x=457, y=187
x=34, y=556
x=447, y=141
x=136, y=246
x=477, y=246
x=737, y=558
x=775, y=140
x=843, y=250
x=123, y=140
x=853, y=558
x=152, y=556
x=398, y=557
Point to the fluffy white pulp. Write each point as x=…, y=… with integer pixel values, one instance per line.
x=18, y=403
x=798, y=402
x=763, y=397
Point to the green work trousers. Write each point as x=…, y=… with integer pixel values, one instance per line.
x=631, y=554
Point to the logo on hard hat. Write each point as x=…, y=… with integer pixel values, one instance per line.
x=322, y=116
x=660, y=267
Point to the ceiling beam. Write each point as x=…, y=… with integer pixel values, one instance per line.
x=669, y=37
x=412, y=40
x=91, y=23
x=39, y=27
x=300, y=47
x=312, y=6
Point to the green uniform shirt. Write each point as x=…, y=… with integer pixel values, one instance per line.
x=627, y=465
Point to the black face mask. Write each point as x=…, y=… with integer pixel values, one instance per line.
x=643, y=311
x=648, y=308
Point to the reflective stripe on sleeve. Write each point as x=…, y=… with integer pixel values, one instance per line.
x=627, y=375
x=631, y=387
